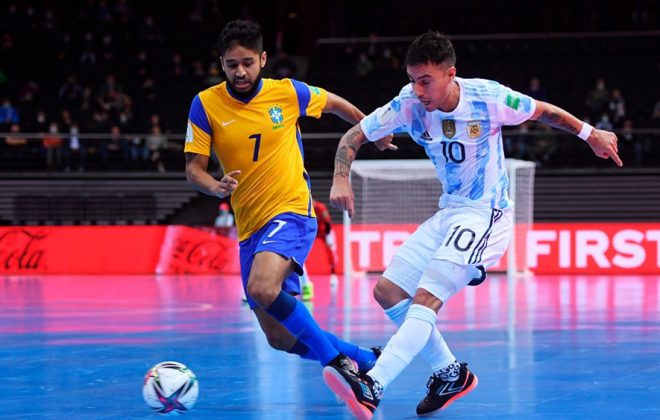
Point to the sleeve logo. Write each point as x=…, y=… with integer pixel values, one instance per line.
x=512, y=101
x=189, y=133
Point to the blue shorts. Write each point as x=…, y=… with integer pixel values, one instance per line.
x=289, y=235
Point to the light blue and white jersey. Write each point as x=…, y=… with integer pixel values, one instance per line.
x=465, y=145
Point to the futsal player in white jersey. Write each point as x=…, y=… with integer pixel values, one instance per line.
x=458, y=122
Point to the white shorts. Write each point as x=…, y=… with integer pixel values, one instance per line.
x=466, y=236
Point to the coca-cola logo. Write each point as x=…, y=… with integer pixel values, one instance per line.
x=20, y=250
x=203, y=254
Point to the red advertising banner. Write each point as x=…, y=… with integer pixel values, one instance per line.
x=116, y=250
x=550, y=248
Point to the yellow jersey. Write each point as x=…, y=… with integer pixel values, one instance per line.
x=259, y=136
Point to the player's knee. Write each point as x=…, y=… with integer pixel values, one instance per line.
x=261, y=292
x=388, y=294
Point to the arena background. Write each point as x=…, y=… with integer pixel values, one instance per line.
x=110, y=261
x=95, y=98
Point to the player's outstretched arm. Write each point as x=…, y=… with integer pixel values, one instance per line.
x=198, y=176
x=352, y=115
x=341, y=193
x=603, y=143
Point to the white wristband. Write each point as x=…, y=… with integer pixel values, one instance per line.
x=585, y=132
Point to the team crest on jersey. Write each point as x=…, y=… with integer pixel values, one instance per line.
x=276, y=116
x=315, y=90
x=275, y=113
x=449, y=128
x=474, y=129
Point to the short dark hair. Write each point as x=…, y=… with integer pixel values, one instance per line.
x=431, y=47
x=245, y=33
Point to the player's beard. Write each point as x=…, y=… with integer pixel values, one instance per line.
x=248, y=93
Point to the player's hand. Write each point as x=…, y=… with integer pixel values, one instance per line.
x=341, y=195
x=386, y=143
x=605, y=145
x=228, y=184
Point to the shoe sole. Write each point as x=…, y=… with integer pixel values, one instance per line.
x=463, y=393
x=343, y=390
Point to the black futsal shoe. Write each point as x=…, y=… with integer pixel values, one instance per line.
x=442, y=393
x=359, y=392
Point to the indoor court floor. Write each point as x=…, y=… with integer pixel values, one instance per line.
x=569, y=347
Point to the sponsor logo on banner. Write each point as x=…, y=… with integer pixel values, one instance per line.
x=21, y=249
x=188, y=250
x=549, y=248
x=449, y=128
x=474, y=129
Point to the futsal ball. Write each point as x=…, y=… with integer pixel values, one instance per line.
x=170, y=388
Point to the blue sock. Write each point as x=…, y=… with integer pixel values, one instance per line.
x=365, y=358
x=293, y=314
x=303, y=351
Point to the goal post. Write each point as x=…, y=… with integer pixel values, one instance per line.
x=393, y=197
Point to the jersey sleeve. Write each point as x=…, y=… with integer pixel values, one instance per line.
x=513, y=107
x=311, y=99
x=383, y=121
x=198, y=132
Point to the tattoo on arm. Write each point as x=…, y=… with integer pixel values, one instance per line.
x=557, y=119
x=347, y=152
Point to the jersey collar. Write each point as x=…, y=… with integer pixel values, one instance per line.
x=249, y=98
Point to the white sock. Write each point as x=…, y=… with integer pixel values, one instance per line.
x=411, y=338
x=436, y=351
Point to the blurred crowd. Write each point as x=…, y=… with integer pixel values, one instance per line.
x=107, y=84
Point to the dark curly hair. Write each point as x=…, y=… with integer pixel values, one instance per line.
x=245, y=33
x=431, y=47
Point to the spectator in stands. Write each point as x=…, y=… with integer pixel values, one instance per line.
x=283, y=66
x=225, y=217
x=70, y=93
x=535, y=90
x=604, y=123
x=8, y=114
x=655, y=115
x=28, y=97
x=156, y=143
x=516, y=145
x=75, y=154
x=632, y=145
x=40, y=123
x=617, y=107
x=52, y=146
x=597, y=98
x=364, y=65
x=543, y=145
x=16, y=146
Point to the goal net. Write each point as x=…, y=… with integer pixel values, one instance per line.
x=392, y=197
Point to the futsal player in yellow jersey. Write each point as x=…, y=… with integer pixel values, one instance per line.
x=252, y=126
